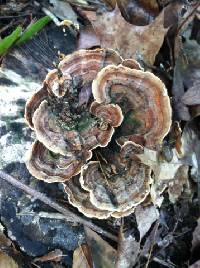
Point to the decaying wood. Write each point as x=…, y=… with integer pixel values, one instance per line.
x=69, y=216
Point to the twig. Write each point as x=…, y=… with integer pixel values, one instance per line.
x=152, y=246
x=69, y=215
x=43, y=214
x=73, y=3
x=170, y=53
x=187, y=18
x=52, y=16
x=164, y=263
x=3, y=29
x=12, y=16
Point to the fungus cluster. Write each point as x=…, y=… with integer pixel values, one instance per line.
x=93, y=115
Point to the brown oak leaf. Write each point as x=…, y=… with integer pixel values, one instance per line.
x=131, y=41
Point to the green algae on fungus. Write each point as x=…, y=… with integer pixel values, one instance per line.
x=129, y=126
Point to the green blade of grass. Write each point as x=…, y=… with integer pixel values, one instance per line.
x=9, y=40
x=33, y=29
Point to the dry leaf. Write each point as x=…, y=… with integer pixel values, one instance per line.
x=55, y=255
x=154, y=236
x=82, y=257
x=180, y=109
x=56, y=265
x=4, y=241
x=7, y=262
x=172, y=13
x=186, y=77
x=196, y=245
x=145, y=217
x=196, y=236
x=87, y=38
x=195, y=265
x=192, y=96
x=63, y=10
x=139, y=42
x=110, y=4
x=175, y=137
x=163, y=170
x=139, y=12
x=103, y=255
x=198, y=13
x=128, y=250
x=165, y=173
x=191, y=146
x=176, y=186
x=187, y=65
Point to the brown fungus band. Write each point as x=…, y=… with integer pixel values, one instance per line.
x=118, y=181
x=33, y=103
x=50, y=167
x=80, y=198
x=143, y=99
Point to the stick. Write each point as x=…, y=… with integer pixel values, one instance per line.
x=188, y=17
x=69, y=215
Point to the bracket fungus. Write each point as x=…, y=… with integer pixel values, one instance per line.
x=143, y=99
x=80, y=199
x=50, y=167
x=111, y=186
x=118, y=181
x=60, y=112
x=92, y=95
x=64, y=135
x=33, y=103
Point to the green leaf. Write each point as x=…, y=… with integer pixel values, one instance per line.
x=33, y=29
x=9, y=40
